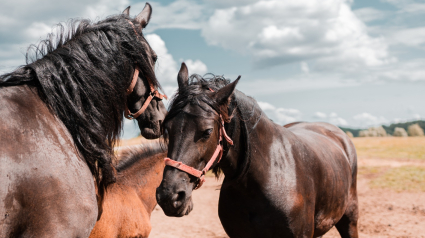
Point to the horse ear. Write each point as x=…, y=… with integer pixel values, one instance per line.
x=144, y=16
x=183, y=76
x=126, y=11
x=222, y=96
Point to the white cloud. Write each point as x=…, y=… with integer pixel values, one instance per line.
x=333, y=114
x=266, y=106
x=166, y=68
x=417, y=117
x=280, y=115
x=103, y=8
x=336, y=120
x=304, y=67
x=409, y=36
x=276, y=32
x=413, y=8
x=333, y=118
x=183, y=14
x=169, y=90
x=411, y=70
x=366, y=119
x=37, y=31
x=320, y=115
x=368, y=14
x=312, y=81
x=196, y=67
x=24, y=22
x=130, y=129
x=408, y=6
x=227, y=3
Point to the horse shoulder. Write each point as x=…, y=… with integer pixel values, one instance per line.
x=40, y=169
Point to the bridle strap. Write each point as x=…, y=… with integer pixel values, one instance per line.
x=183, y=167
x=133, y=81
x=218, y=153
x=153, y=91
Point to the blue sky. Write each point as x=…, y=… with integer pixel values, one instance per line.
x=355, y=63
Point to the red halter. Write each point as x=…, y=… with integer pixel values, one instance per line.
x=153, y=91
x=218, y=153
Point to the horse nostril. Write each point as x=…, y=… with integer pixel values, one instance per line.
x=181, y=196
x=178, y=199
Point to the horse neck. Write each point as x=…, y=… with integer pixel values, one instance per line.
x=143, y=177
x=246, y=124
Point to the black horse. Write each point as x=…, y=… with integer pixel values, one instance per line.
x=60, y=116
x=298, y=180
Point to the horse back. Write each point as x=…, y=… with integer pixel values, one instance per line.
x=46, y=189
x=324, y=131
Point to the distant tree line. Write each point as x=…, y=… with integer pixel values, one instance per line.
x=355, y=132
x=389, y=130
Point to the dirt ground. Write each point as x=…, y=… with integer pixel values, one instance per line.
x=383, y=212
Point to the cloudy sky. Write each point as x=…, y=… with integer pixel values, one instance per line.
x=355, y=63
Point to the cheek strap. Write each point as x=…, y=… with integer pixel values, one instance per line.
x=200, y=174
x=153, y=93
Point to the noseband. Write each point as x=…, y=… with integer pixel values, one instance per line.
x=218, y=153
x=153, y=92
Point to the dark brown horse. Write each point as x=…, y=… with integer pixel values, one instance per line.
x=293, y=181
x=60, y=115
x=129, y=202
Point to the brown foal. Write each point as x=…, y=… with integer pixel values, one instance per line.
x=130, y=201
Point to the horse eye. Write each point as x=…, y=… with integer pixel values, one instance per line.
x=208, y=132
x=155, y=58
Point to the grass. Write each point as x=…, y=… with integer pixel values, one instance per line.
x=391, y=147
x=400, y=179
x=371, y=170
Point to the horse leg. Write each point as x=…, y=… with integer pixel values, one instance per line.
x=347, y=225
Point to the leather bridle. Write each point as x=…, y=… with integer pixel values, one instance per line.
x=153, y=92
x=218, y=153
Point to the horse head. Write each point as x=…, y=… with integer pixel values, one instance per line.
x=144, y=102
x=194, y=129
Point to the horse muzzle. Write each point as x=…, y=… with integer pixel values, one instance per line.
x=175, y=204
x=150, y=130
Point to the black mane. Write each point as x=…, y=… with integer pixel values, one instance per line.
x=82, y=74
x=194, y=93
x=133, y=154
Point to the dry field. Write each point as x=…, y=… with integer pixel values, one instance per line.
x=391, y=189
